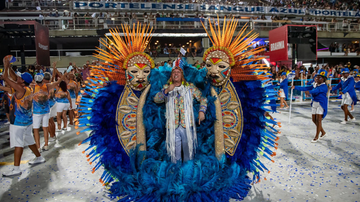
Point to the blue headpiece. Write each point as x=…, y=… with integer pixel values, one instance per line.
x=322, y=72
x=345, y=70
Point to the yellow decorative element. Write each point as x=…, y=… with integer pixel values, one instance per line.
x=215, y=61
x=145, y=59
x=209, y=51
x=12, y=163
x=218, y=126
x=132, y=101
x=232, y=116
x=126, y=119
x=140, y=128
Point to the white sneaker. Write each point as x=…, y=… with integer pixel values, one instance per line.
x=52, y=139
x=7, y=122
x=353, y=119
x=11, y=173
x=37, y=160
x=58, y=130
x=68, y=129
x=57, y=144
x=45, y=148
x=352, y=110
x=343, y=122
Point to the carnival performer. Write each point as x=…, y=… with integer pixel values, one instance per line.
x=319, y=103
x=21, y=117
x=283, y=91
x=129, y=128
x=6, y=99
x=357, y=86
x=63, y=101
x=41, y=111
x=73, y=90
x=356, y=77
x=347, y=85
x=52, y=103
x=180, y=121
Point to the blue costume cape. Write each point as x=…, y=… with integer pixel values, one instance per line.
x=347, y=87
x=157, y=179
x=284, y=85
x=318, y=95
x=357, y=85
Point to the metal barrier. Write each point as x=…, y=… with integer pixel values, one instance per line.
x=301, y=95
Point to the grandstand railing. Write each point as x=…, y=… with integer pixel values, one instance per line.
x=35, y=4
x=63, y=23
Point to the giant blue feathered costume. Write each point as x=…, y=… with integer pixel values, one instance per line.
x=230, y=141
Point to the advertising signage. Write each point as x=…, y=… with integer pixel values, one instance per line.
x=106, y=5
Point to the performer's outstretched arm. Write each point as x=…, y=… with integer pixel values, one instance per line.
x=350, y=85
x=337, y=86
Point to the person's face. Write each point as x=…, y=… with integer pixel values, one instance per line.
x=176, y=75
x=71, y=76
x=138, y=78
x=319, y=79
x=357, y=78
x=20, y=81
x=218, y=72
x=345, y=75
x=46, y=81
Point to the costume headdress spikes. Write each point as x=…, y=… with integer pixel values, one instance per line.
x=235, y=51
x=123, y=51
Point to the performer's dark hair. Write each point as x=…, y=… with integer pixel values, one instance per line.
x=63, y=86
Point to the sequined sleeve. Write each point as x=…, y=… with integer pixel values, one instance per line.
x=160, y=96
x=197, y=95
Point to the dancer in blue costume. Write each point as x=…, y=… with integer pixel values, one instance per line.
x=357, y=86
x=347, y=86
x=128, y=127
x=319, y=103
x=283, y=90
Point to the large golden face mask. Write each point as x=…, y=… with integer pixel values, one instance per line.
x=138, y=68
x=217, y=64
x=138, y=78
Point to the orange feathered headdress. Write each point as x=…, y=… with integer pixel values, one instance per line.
x=234, y=50
x=120, y=52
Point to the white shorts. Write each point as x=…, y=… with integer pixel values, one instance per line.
x=282, y=93
x=60, y=107
x=21, y=136
x=73, y=102
x=38, y=118
x=346, y=99
x=316, y=108
x=53, y=110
